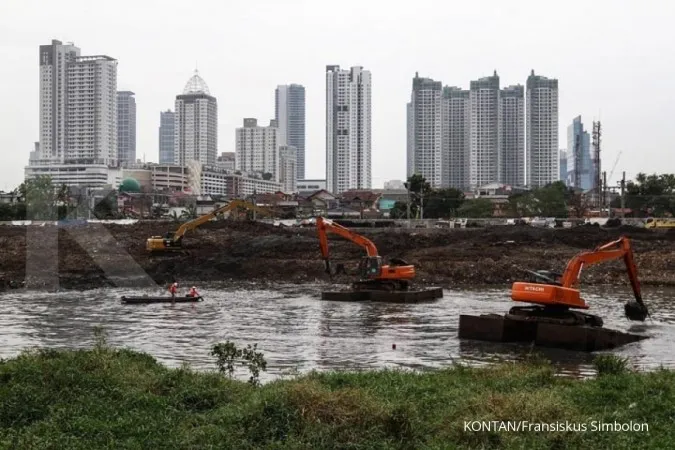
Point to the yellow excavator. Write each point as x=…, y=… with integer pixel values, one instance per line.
x=173, y=241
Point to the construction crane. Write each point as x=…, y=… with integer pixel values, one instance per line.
x=615, y=163
x=374, y=274
x=173, y=241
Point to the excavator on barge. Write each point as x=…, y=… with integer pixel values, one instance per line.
x=553, y=318
x=556, y=296
x=374, y=274
x=379, y=282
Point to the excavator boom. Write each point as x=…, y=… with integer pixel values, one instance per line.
x=174, y=241
x=564, y=293
x=378, y=275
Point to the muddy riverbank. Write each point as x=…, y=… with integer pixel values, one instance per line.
x=237, y=251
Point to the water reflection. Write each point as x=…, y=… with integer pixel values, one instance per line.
x=298, y=332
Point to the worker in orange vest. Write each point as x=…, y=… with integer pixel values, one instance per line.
x=193, y=292
x=173, y=289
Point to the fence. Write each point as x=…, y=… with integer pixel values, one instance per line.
x=355, y=223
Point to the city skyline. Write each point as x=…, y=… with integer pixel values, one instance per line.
x=154, y=71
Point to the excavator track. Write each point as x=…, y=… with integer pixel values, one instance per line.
x=558, y=316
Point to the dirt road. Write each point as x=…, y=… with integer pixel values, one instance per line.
x=237, y=251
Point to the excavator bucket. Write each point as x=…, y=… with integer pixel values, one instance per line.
x=636, y=311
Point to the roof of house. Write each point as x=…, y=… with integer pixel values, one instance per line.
x=321, y=193
x=359, y=195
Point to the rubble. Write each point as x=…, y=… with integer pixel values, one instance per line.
x=242, y=251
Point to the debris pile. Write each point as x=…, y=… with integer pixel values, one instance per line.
x=229, y=250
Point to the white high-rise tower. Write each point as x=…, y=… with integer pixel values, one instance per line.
x=348, y=129
x=427, y=156
x=257, y=148
x=542, y=131
x=78, y=106
x=196, y=124
x=484, y=145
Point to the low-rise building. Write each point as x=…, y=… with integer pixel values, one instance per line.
x=498, y=194
x=87, y=175
x=360, y=200
x=226, y=161
x=310, y=186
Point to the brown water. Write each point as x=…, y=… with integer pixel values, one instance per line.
x=297, y=332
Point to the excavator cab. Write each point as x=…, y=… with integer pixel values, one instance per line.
x=370, y=267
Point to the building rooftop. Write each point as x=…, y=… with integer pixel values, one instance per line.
x=196, y=85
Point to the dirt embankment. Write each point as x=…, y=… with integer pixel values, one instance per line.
x=255, y=252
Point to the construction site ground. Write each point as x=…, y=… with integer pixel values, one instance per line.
x=230, y=251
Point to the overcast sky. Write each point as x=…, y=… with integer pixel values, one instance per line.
x=614, y=60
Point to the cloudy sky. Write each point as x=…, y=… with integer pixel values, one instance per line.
x=614, y=60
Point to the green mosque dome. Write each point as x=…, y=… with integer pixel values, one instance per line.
x=130, y=185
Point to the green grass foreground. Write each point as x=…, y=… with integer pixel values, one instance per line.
x=108, y=398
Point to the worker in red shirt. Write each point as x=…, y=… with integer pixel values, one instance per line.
x=173, y=289
x=193, y=292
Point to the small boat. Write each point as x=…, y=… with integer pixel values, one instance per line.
x=147, y=299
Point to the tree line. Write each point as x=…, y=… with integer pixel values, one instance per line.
x=40, y=199
x=647, y=195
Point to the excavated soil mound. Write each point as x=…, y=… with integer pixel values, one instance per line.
x=252, y=251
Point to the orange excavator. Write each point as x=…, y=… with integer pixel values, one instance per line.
x=557, y=294
x=374, y=274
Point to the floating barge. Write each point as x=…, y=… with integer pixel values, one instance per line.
x=496, y=328
x=420, y=296
x=143, y=299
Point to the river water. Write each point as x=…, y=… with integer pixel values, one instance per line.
x=297, y=332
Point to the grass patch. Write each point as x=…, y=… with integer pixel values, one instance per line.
x=112, y=398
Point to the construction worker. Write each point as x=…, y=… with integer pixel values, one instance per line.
x=193, y=292
x=173, y=289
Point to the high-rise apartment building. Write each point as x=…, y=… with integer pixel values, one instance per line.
x=167, y=126
x=54, y=61
x=196, y=124
x=410, y=153
x=78, y=118
x=563, y=166
x=288, y=169
x=126, y=127
x=542, y=131
x=78, y=106
x=512, y=136
x=289, y=112
x=91, y=119
x=348, y=128
x=456, y=109
x=257, y=148
x=484, y=134
x=426, y=127
x=579, y=159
